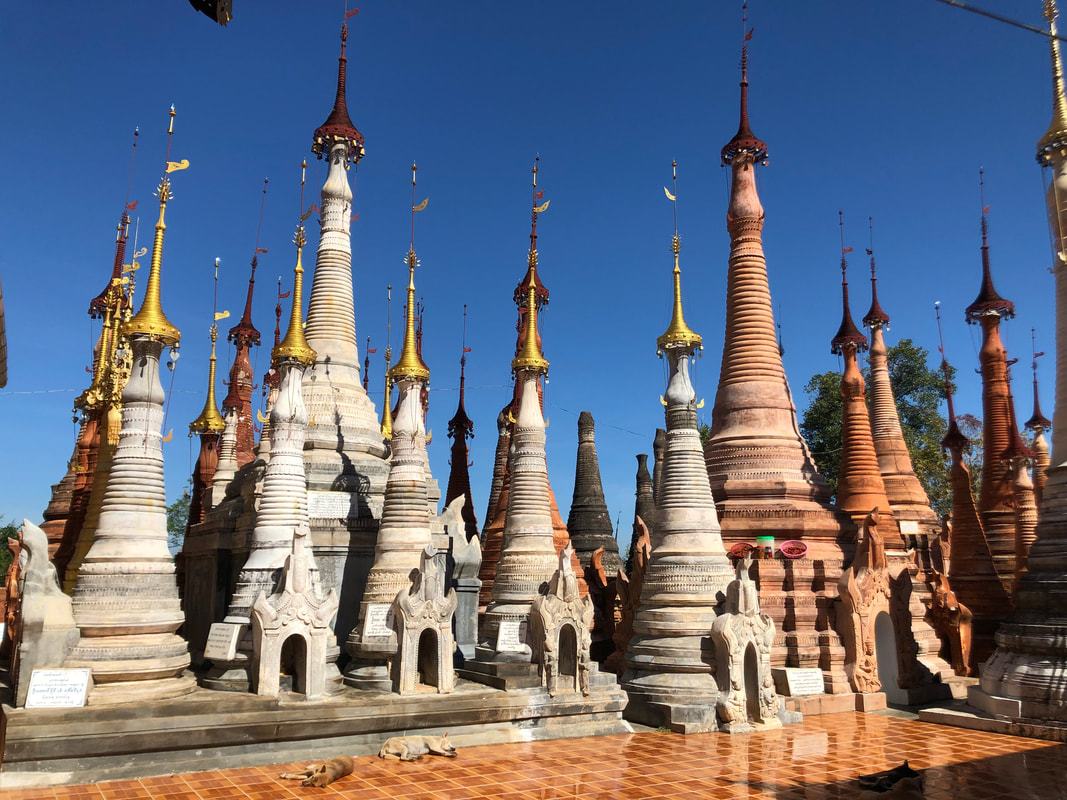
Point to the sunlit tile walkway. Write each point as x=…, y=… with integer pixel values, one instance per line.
x=816, y=759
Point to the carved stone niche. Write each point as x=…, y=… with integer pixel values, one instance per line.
x=743, y=638
x=422, y=620
x=865, y=594
x=560, y=621
x=293, y=625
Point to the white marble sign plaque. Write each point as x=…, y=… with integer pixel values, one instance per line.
x=58, y=688
x=794, y=682
x=379, y=620
x=222, y=641
x=909, y=526
x=511, y=637
x=329, y=505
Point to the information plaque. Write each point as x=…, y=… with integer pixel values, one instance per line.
x=58, y=688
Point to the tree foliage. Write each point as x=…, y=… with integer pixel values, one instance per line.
x=7, y=531
x=178, y=519
x=918, y=391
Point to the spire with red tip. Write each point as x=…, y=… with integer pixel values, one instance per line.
x=988, y=301
x=244, y=332
x=875, y=315
x=744, y=141
x=848, y=333
x=338, y=126
x=98, y=305
x=1037, y=420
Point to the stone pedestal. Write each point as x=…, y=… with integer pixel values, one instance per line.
x=422, y=620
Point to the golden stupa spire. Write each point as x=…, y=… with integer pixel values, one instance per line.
x=294, y=346
x=410, y=365
x=678, y=334
x=210, y=419
x=1055, y=137
x=150, y=320
x=530, y=355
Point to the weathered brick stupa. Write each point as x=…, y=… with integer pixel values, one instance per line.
x=208, y=426
x=1020, y=458
x=761, y=472
x=589, y=521
x=344, y=453
x=971, y=573
x=1026, y=679
x=244, y=336
x=917, y=521
x=882, y=579
x=461, y=428
x=644, y=509
x=1038, y=424
x=996, y=495
x=404, y=532
x=126, y=599
x=670, y=663
x=282, y=513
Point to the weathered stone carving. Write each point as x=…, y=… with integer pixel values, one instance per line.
x=589, y=522
x=629, y=593
x=743, y=637
x=422, y=619
x=603, y=593
x=560, y=619
x=952, y=619
x=44, y=627
x=864, y=591
x=295, y=611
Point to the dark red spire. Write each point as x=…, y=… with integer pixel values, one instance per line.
x=338, y=126
x=744, y=140
x=875, y=316
x=954, y=440
x=244, y=332
x=1037, y=420
x=848, y=333
x=98, y=304
x=988, y=301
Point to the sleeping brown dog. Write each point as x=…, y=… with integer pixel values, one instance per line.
x=323, y=773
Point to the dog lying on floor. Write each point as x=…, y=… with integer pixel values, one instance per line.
x=904, y=789
x=323, y=773
x=413, y=748
x=900, y=782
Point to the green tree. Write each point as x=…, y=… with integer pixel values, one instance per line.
x=971, y=427
x=918, y=391
x=7, y=531
x=178, y=519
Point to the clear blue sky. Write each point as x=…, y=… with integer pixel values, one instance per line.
x=884, y=108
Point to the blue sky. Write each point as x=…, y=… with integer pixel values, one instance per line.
x=885, y=108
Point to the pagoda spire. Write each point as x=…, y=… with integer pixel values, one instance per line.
x=271, y=379
x=996, y=493
x=907, y=498
x=644, y=509
x=404, y=532
x=668, y=675
x=98, y=305
x=209, y=425
x=126, y=601
x=1038, y=423
x=346, y=437
x=461, y=428
x=589, y=521
x=859, y=488
x=1020, y=457
x=757, y=460
x=972, y=574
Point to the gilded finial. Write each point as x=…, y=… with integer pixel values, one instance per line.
x=410, y=365
x=294, y=346
x=1055, y=138
x=530, y=356
x=678, y=334
x=150, y=321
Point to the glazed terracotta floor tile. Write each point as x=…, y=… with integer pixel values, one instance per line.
x=815, y=760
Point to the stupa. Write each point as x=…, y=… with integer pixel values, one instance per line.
x=996, y=494
x=1038, y=424
x=208, y=426
x=670, y=673
x=762, y=475
x=461, y=428
x=589, y=522
x=126, y=599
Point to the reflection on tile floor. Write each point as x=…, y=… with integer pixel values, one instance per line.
x=816, y=760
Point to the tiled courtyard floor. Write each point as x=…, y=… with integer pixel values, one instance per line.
x=818, y=758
